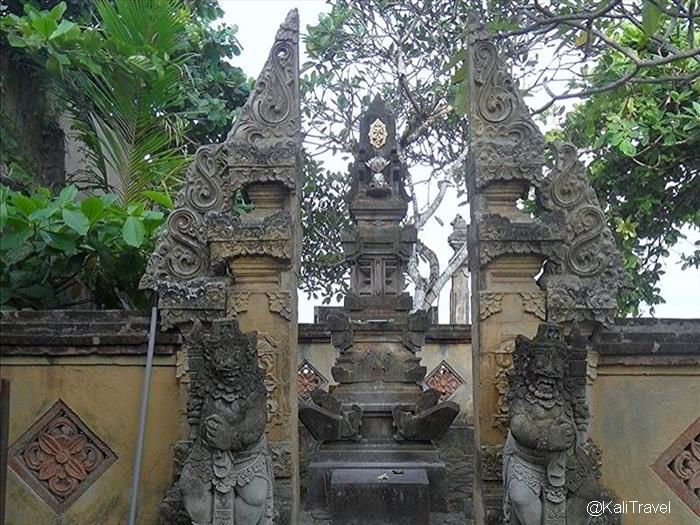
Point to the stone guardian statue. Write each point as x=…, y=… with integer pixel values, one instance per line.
x=227, y=477
x=549, y=474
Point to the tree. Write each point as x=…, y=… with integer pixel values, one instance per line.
x=414, y=55
x=644, y=142
x=398, y=50
x=143, y=83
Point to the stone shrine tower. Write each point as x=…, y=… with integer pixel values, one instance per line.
x=377, y=426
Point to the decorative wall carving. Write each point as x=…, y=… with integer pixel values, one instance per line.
x=534, y=303
x=444, y=380
x=238, y=303
x=507, y=144
x=491, y=462
x=504, y=365
x=281, y=459
x=59, y=457
x=248, y=235
x=583, y=281
x=489, y=304
x=273, y=360
x=308, y=380
x=281, y=303
x=679, y=466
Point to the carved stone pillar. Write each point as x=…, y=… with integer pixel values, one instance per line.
x=459, y=291
x=567, y=245
x=506, y=251
x=211, y=263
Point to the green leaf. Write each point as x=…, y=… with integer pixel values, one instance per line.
x=457, y=57
x=76, y=220
x=133, y=231
x=92, y=208
x=651, y=18
x=57, y=11
x=23, y=203
x=67, y=195
x=60, y=241
x=13, y=241
x=35, y=291
x=161, y=198
x=16, y=40
x=3, y=215
x=66, y=28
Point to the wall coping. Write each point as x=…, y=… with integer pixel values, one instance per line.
x=649, y=341
x=124, y=332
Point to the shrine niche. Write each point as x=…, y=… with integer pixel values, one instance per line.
x=212, y=264
x=59, y=457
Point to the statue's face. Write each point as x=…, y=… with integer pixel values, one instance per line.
x=226, y=359
x=548, y=369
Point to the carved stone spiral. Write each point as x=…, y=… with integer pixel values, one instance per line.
x=204, y=189
x=585, y=257
x=274, y=102
x=496, y=99
x=569, y=186
x=185, y=258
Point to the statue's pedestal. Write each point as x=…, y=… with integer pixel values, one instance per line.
x=384, y=456
x=386, y=496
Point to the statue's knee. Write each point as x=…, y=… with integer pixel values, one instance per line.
x=195, y=498
x=521, y=494
x=254, y=493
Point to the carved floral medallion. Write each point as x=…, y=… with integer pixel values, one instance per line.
x=59, y=457
x=679, y=466
x=308, y=380
x=445, y=380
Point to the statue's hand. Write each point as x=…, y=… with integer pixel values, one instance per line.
x=562, y=435
x=219, y=433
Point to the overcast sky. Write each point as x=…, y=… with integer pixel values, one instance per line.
x=257, y=22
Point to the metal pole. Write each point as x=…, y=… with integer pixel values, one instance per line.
x=142, y=419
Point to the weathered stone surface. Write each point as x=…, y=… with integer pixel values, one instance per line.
x=568, y=239
x=211, y=264
x=549, y=475
x=377, y=416
x=229, y=462
x=379, y=497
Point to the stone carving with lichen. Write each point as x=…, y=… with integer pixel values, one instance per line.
x=227, y=477
x=548, y=474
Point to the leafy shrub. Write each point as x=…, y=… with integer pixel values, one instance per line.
x=68, y=250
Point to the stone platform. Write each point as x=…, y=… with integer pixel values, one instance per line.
x=385, y=497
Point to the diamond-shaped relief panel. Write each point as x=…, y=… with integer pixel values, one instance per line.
x=445, y=380
x=679, y=466
x=59, y=457
x=308, y=380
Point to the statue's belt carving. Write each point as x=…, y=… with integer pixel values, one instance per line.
x=227, y=469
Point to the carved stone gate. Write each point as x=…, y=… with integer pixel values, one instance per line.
x=567, y=246
x=211, y=264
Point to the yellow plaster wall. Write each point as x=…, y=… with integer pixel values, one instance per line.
x=106, y=394
x=637, y=412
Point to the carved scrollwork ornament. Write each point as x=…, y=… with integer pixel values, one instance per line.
x=588, y=275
